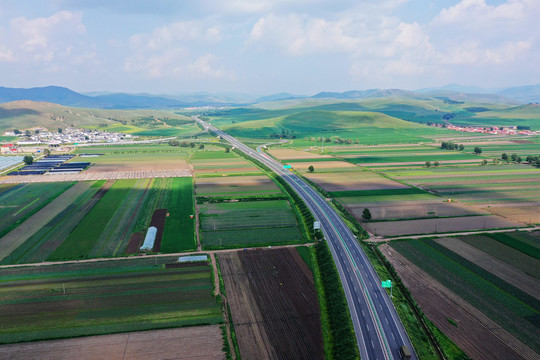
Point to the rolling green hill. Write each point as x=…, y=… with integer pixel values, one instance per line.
x=366, y=127
x=28, y=114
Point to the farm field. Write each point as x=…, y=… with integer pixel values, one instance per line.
x=439, y=225
x=219, y=163
x=20, y=234
x=238, y=186
x=499, y=268
x=501, y=251
x=100, y=218
x=512, y=309
x=273, y=303
x=508, y=191
x=401, y=208
x=474, y=332
x=138, y=162
x=69, y=300
x=180, y=343
x=353, y=180
x=248, y=223
x=294, y=154
x=179, y=230
x=21, y=201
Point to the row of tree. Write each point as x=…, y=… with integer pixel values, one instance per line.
x=450, y=145
x=184, y=144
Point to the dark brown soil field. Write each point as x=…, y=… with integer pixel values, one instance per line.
x=475, y=333
x=135, y=242
x=274, y=305
x=197, y=342
x=158, y=220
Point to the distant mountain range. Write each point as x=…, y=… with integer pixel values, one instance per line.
x=67, y=97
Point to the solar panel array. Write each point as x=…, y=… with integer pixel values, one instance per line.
x=9, y=161
x=53, y=164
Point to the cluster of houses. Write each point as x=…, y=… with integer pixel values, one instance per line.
x=41, y=136
x=496, y=130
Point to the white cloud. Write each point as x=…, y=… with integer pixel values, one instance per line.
x=471, y=53
x=300, y=36
x=479, y=11
x=172, y=50
x=41, y=39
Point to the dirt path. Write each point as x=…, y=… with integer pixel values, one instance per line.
x=49, y=263
x=475, y=333
x=511, y=275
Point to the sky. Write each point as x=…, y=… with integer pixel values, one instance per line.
x=267, y=46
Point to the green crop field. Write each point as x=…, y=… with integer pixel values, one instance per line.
x=73, y=300
x=179, y=232
x=97, y=227
x=44, y=242
x=20, y=202
x=84, y=237
x=248, y=223
x=514, y=310
x=507, y=254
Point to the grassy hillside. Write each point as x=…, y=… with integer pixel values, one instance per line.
x=366, y=127
x=27, y=114
x=524, y=115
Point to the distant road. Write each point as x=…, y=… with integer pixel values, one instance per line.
x=379, y=331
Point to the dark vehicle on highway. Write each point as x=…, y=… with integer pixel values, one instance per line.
x=404, y=352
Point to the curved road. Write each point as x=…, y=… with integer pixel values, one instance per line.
x=379, y=331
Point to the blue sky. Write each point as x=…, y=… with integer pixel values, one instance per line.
x=267, y=46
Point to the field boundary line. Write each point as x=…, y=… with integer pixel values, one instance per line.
x=50, y=263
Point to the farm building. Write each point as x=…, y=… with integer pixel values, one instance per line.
x=9, y=149
x=149, y=239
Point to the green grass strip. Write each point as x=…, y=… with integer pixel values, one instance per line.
x=342, y=333
x=516, y=244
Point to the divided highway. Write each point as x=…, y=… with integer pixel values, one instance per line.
x=379, y=331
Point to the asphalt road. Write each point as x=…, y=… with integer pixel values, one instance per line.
x=379, y=331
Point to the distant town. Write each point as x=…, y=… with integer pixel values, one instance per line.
x=42, y=136
x=495, y=130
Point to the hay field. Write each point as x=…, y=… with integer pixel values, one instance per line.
x=411, y=209
x=292, y=154
x=236, y=186
x=219, y=163
x=439, y=225
x=510, y=191
x=138, y=162
x=357, y=180
x=189, y=343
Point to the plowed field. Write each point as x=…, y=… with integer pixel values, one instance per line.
x=273, y=303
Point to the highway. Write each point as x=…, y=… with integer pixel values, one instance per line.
x=378, y=329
